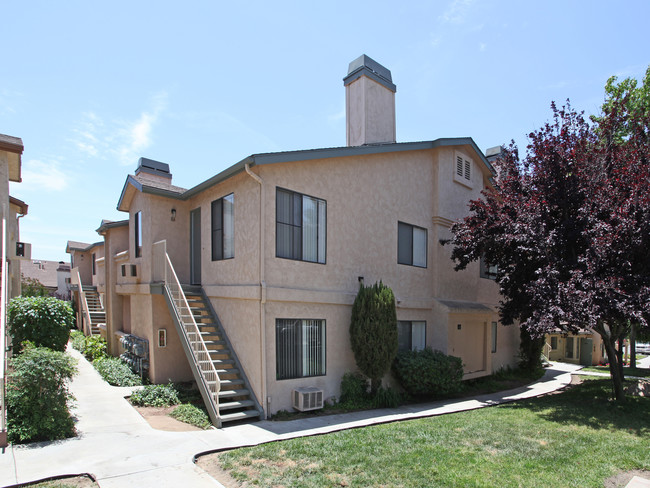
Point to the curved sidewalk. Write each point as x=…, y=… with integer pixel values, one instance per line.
x=119, y=448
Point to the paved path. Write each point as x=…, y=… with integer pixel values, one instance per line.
x=117, y=446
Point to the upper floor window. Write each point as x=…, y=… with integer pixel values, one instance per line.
x=94, y=264
x=301, y=227
x=137, y=228
x=411, y=245
x=463, y=169
x=487, y=271
x=223, y=228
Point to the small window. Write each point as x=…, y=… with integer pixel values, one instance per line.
x=301, y=227
x=138, y=234
x=487, y=271
x=223, y=228
x=411, y=245
x=554, y=343
x=94, y=264
x=495, y=327
x=411, y=335
x=299, y=348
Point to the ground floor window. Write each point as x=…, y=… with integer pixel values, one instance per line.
x=553, y=343
x=299, y=348
x=411, y=335
x=494, y=336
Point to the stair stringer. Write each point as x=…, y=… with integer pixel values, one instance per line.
x=208, y=399
x=233, y=352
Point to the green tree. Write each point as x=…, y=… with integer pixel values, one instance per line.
x=373, y=331
x=45, y=321
x=38, y=397
x=31, y=287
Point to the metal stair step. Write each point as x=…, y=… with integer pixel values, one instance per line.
x=236, y=404
x=234, y=393
x=246, y=414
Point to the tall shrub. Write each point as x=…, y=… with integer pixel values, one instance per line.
x=38, y=396
x=45, y=321
x=373, y=331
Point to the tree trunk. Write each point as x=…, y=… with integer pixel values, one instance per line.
x=633, y=346
x=619, y=354
x=615, y=368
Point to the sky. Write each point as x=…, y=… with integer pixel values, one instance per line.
x=90, y=87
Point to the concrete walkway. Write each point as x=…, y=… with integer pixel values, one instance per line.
x=119, y=448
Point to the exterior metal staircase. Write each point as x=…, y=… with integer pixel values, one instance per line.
x=236, y=399
x=95, y=309
x=221, y=380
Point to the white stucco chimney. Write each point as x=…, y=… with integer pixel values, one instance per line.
x=369, y=103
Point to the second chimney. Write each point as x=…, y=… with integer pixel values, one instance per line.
x=369, y=103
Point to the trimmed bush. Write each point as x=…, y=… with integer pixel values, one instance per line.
x=38, y=397
x=94, y=348
x=45, y=321
x=428, y=372
x=373, y=331
x=116, y=372
x=77, y=340
x=191, y=415
x=155, y=396
x=386, y=398
x=354, y=390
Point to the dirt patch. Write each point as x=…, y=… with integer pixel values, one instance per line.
x=622, y=479
x=210, y=464
x=158, y=418
x=72, y=482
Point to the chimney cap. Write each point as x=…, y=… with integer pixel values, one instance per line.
x=365, y=65
x=150, y=166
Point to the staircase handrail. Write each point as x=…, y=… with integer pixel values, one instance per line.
x=75, y=278
x=200, y=352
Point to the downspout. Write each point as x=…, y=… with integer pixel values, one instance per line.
x=264, y=400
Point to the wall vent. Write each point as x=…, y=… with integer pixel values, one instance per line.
x=307, y=398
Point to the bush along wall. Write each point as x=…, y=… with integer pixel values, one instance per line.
x=428, y=373
x=38, y=397
x=44, y=321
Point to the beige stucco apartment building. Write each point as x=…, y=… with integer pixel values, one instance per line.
x=280, y=242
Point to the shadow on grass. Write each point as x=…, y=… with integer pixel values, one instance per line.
x=591, y=404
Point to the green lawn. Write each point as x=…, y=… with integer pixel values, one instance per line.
x=577, y=438
x=640, y=372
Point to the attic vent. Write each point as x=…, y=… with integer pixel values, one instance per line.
x=307, y=398
x=459, y=166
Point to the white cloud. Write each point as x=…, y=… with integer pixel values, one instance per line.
x=124, y=140
x=457, y=11
x=44, y=176
x=482, y=47
x=136, y=136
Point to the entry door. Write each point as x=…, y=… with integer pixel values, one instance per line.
x=195, y=246
x=586, y=350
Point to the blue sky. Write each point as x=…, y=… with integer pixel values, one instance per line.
x=200, y=85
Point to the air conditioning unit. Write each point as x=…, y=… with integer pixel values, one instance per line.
x=307, y=398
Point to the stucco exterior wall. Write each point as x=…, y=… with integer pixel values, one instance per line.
x=366, y=197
